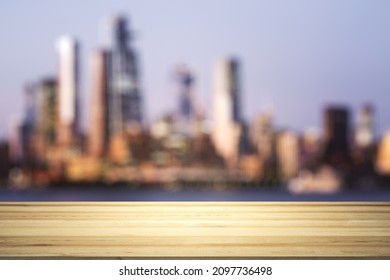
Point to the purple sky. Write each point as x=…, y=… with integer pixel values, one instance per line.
x=297, y=56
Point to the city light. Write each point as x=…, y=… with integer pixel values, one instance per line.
x=185, y=147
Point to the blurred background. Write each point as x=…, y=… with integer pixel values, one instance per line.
x=240, y=100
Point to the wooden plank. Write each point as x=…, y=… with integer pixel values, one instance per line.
x=195, y=229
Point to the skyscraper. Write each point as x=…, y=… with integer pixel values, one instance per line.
x=68, y=90
x=310, y=148
x=364, y=136
x=5, y=163
x=287, y=149
x=337, y=136
x=261, y=136
x=185, y=112
x=383, y=160
x=47, y=117
x=124, y=100
x=185, y=81
x=23, y=134
x=98, y=136
x=15, y=141
x=227, y=127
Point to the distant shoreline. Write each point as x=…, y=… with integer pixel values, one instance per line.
x=159, y=193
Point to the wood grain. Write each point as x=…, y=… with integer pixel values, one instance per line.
x=195, y=229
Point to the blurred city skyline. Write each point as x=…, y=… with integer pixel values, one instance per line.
x=291, y=53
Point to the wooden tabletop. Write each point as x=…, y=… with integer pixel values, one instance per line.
x=195, y=230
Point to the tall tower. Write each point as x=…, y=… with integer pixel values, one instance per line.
x=185, y=111
x=228, y=129
x=383, y=159
x=68, y=90
x=98, y=137
x=287, y=149
x=364, y=137
x=15, y=141
x=124, y=100
x=337, y=132
x=28, y=126
x=47, y=120
x=261, y=136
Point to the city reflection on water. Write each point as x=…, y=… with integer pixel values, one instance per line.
x=123, y=193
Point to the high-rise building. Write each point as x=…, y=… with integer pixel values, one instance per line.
x=262, y=135
x=310, y=148
x=47, y=116
x=227, y=127
x=124, y=99
x=68, y=91
x=185, y=81
x=15, y=141
x=29, y=125
x=364, y=136
x=23, y=131
x=98, y=136
x=337, y=137
x=31, y=110
x=185, y=111
x=287, y=150
x=383, y=160
x=5, y=164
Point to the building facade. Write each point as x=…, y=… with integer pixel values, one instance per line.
x=47, y=118
x=365, y=135
x=124, y=98
x=337, y=136
x=287, y=149
x=227, y=124
x=184, y=81
x=68, y=91
x=98, y=134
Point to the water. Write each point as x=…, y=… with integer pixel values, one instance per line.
x=195, y=194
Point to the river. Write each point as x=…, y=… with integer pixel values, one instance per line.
x=122, y=193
